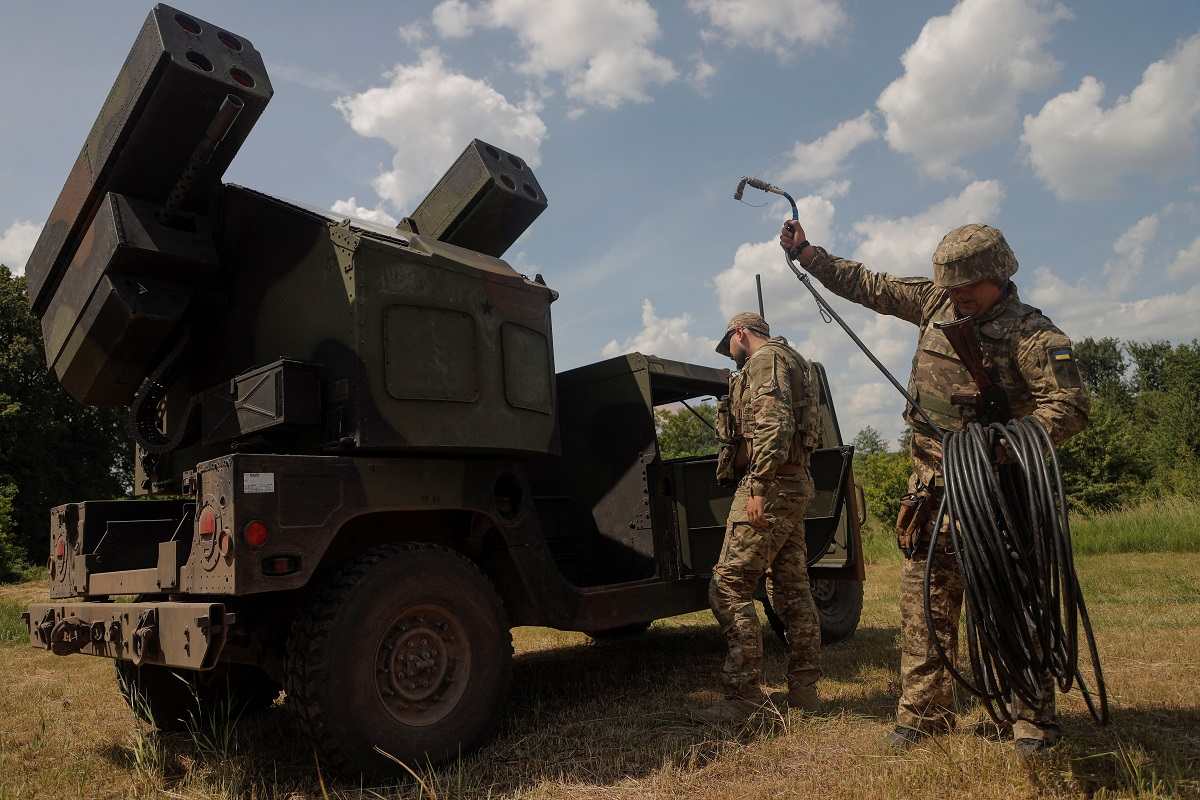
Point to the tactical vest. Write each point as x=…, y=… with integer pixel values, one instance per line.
x=937, y=372
x=735, y=416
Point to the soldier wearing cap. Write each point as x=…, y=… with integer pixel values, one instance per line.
x=1031, y=359
x=767, y=426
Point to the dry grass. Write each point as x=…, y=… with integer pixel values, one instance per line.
x=608, y=721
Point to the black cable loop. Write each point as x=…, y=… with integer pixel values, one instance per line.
x=1010, y=532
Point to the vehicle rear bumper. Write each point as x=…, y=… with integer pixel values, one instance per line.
x=186, y=635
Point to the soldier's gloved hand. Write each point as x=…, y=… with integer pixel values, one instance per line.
x=791, y=235
x=756, y=510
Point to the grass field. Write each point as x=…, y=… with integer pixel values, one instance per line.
x=1166, y=525
x=608, y=721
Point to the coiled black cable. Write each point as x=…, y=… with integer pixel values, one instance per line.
x=1011, y=538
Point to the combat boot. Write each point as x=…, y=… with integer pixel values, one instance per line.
x=731, y=709
x=1028, y=747
x=799, y=698
x=904, y=737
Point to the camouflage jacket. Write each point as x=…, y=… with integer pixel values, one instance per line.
x=1027, y=355
x=771, y=415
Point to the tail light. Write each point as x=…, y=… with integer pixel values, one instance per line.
x=206, y=524
x=256, y=533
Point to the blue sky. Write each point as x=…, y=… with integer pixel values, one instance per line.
x=1072, y=126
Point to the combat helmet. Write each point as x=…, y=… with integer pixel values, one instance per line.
x=972, y=253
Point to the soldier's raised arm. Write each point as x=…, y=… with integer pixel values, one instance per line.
x=1047, y=363
x=770, y=387
x=898, y=297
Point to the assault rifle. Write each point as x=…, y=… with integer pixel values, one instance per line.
x=989, y=401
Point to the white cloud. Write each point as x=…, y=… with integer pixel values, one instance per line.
x=1187, y=261
x=1078, y=148
x=964, y=76
x=777, y=26
x=308, y=78
x=429, y=113
x=834, y=189
x=351, y=208
x=1130, y=254
x=905, y=245
x=822, y=158
x=600, y=48
x=16, y=243
x=413, y=33
x=702, y=72
x=1130, y=304
x=455, y=19
x=666, y=337
x=1082, y=309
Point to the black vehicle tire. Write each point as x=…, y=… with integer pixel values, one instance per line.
x=839, y=602
x=170, y=698
x=405, y=649
x=630, y=631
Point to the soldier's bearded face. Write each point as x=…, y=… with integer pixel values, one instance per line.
x=976, y=298
x=737, y=348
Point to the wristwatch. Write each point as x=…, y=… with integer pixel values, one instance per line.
x=798, y=249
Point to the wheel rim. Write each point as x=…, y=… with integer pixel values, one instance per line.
x=823, y=591
x=422, y=665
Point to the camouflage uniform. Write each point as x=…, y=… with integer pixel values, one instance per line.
x=1032, y=360
x=770, y=418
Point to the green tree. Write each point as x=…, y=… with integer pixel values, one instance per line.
x=1105, y=465
x=52, y=449
x=868, y=442
x=1102, y=364
x=12, y=559
x=884, y=478
x=1173, y=437
x=681, y=433
x=1149, y=363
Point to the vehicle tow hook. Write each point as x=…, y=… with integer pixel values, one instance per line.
x=145, y=637
x=44, y=628
x=68, y=636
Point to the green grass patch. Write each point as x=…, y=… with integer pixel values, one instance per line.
x=879, y=543
x=12, y=627
x=1168, y=525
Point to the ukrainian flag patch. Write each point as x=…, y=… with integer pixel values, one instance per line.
x=1063, y=367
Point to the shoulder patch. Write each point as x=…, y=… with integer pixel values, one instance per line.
x=1063, y=367
x=914, y=280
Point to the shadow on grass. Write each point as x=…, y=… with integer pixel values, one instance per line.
x=589, y=714
x=1144, y=750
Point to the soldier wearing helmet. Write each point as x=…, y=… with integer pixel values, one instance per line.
x=1030, y=359
x=767, y=426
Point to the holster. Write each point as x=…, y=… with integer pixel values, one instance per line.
x=912, y=522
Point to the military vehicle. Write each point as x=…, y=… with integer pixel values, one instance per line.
x=356, y=467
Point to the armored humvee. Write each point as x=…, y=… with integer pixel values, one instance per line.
x=356, y=466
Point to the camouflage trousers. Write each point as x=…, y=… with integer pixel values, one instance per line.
x=778, y=551
x=927, y=697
